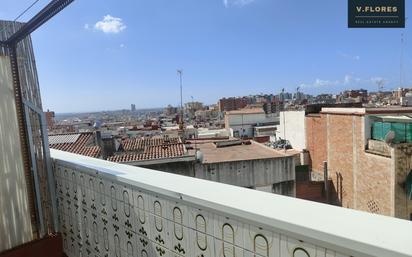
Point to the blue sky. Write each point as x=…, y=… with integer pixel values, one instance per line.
x=104, y=55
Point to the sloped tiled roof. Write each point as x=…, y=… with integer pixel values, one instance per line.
x=150, y=149
x=139, y=144
x=63, y=138
x=79, y=143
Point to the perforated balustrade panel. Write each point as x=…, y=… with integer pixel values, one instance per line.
x=101, y=217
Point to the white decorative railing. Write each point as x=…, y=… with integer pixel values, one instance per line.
x=109, y=209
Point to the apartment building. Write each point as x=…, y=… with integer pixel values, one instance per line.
x=370, y=167
x=232, y=103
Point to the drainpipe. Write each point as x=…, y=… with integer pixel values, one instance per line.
x=325, y=179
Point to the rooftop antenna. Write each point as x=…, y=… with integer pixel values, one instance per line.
x=284, y=124
x=180, y=72
x=195, y=127
x=401, y=63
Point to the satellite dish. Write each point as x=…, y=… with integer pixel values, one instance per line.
x=390, y=136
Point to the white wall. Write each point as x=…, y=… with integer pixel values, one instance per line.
x=15, y=224
x=238, y=119
x=246, y=122
x=292, y=127
x=206, y=133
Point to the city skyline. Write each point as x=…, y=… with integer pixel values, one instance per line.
x=106, y=55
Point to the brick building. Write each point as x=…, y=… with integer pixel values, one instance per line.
x=50, y=119
x=360, y=94
x=232, y=103
x=367, y=174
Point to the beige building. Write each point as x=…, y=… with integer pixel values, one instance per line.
x=241, y=123
x=246, y=164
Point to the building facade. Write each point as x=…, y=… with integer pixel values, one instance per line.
x=367, y=174
x=292, y=127
x=241, y=123
x=232, y=103
x=246, y=164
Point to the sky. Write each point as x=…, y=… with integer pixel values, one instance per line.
x=105, y=55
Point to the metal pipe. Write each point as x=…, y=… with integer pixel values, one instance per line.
x=325, y=179
x=50, y=175
x=40, y=219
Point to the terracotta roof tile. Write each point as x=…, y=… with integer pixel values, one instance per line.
x=83, y=145
x=159, y=147
x=138, y=144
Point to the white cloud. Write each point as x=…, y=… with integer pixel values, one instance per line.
x=86, y=26
x=238, y=3
x=349, y=57
x=320, y=83
x=110, y=24
x=349, y=79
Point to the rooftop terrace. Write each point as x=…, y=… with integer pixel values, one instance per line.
x=160, y=214
x=241, y=152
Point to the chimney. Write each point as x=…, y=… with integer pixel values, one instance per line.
x=99, y=142
x=108, y=147
x=106, y=144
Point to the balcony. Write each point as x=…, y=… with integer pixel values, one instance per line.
x=109, y=209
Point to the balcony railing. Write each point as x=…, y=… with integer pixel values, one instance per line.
x=109, y=209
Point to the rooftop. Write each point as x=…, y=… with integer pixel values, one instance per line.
x=391, y=118
x=241, y=152
x=366, y=111
x=297, y=222
x=78, y=143
x=150, y=148
x=247, y=111
x=151, y=152
x=139, y=144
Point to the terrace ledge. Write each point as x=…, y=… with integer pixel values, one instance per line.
x=348, y=231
